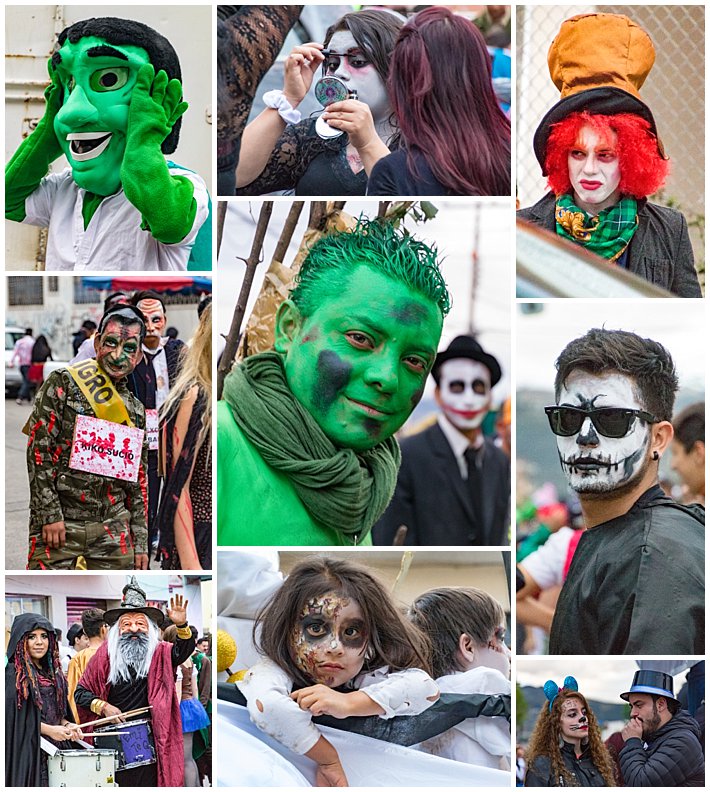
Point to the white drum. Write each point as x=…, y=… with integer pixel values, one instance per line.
x=91, y=767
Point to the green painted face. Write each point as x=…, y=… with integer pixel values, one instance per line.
x=98, y=80
x=359, y=363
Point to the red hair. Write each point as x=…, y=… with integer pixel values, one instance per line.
x=643, y=170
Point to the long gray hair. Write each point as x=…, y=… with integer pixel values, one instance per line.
x=138, y=657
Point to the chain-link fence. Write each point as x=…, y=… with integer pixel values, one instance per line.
x=674, y=90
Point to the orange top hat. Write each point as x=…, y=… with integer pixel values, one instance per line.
x=599, y=62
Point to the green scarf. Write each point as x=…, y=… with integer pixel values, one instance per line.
x=341, y=489
x=606, y=234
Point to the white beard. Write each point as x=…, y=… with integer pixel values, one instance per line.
x=120, y=666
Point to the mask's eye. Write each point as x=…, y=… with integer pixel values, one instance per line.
x=71, y=82
x=109, y=79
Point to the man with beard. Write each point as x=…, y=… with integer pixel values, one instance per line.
x=134, y=669
x=150, y=382
x=673, y=754
x=454, y=484
x=636, y=584
x=87, y=456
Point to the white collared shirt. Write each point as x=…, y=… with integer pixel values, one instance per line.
x=113, y=239
x=458, y=442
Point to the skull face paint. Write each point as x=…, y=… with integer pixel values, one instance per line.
x=464, y=392
x=118, y=349
x=574, y=724
x=329, y=641
x=98, y=80
x=355, y=365
x=594, y=463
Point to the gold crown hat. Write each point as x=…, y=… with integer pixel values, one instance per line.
x=134, y=601
x=598, y=62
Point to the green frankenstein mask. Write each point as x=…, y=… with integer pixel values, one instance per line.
x=360, y=332
x=98, y=80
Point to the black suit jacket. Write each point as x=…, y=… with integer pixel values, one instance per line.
x=435, y=503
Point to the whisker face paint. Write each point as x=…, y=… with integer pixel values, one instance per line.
x=592, y=462
x=329, y=641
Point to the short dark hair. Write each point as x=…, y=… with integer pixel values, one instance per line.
x=124, y=315
x=127, y=31
x=643, y=360
x=393, y=641
x=444, y=614
x=689, y=426
x=674, y=707
x=109, y=301
x=92, y=620
x=28, y=331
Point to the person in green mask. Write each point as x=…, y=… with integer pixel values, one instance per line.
x=113, y=109
x=306, y=453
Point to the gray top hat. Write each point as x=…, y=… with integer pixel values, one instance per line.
x=654, y=683
x=134, y=601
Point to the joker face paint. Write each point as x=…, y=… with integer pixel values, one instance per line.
x=329, y=641
x=358, y=364
x=594, y=172
x=358, y=73
x=98, y=80
x=594, y=463
x=464, y=392
x=574, y=724
x=118, y=348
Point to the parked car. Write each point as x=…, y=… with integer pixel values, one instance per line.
x=13, y=378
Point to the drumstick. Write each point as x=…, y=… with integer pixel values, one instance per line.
x=128, y=714
x=105, y=734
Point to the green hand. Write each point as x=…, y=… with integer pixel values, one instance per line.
x=156, y=104
x=54, y=98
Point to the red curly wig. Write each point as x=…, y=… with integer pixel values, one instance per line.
x=643, y=170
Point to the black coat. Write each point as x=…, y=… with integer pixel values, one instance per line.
x=659, y=252
x=392, y=176
x=673, y=756
x=22, y=724
x=582, y=768
x=435, y=503
x=636, y=584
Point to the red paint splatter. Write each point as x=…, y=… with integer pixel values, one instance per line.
x=33, y=431
x=109, y=533
x=41, y=565
x=110, y=497
x=55, y=455
x=33, y=547
x=46, y=551
x=124, y=549
x=38, y=457
x=82, y=497
x=52, y=421
x=60, y=392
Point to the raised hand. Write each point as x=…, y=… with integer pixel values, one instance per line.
x=177, y=612
x=156, y=104
x=301, y=65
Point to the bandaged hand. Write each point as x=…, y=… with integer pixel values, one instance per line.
x=156, y=104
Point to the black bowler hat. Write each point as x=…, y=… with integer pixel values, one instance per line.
x=654, y=683
x=466, y=346
x=74, y=632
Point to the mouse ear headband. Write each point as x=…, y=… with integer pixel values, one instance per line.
x=552, y=691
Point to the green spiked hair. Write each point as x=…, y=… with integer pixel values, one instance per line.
x=376, y=244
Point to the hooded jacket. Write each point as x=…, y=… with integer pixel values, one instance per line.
x=582, y=769
x=22, y=722
x=673, y=756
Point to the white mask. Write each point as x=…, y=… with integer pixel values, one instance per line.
x=464, y=392
x=592, y=462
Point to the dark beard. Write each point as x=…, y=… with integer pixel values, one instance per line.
x=134, y=648
x=650, y=728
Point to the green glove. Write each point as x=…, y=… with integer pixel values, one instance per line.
x=166, y=202
x=30, y=163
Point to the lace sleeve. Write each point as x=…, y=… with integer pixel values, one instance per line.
x=292, y=154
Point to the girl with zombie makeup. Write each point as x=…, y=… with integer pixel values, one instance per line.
x=36, y=703
x=601, y=153
x=566, y=747
x=466, y=627
x=441, y=91
x=334, y=643
x=185, y=511
x=279, y=151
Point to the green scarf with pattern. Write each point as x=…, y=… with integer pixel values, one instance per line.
x=606, y=234
x=344, y=490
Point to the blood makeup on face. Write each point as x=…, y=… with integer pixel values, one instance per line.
x=118, y=349
x=329, y=641
x=594, y=463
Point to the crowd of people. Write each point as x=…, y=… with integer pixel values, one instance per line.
x=396, y=108
x=139, y=670
x=128, y=380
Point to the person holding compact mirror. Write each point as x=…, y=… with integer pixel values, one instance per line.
x=281, y=151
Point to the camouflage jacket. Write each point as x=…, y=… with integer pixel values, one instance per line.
x=57, y=492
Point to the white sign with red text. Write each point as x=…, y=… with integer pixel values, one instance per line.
x=105, y=448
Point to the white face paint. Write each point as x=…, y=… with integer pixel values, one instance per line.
x=594, y=172
x=365, y=80
x=464, y=392
x=594, y=463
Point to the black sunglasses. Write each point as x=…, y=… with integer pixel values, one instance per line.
x=608, y=421
x=331, y=60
